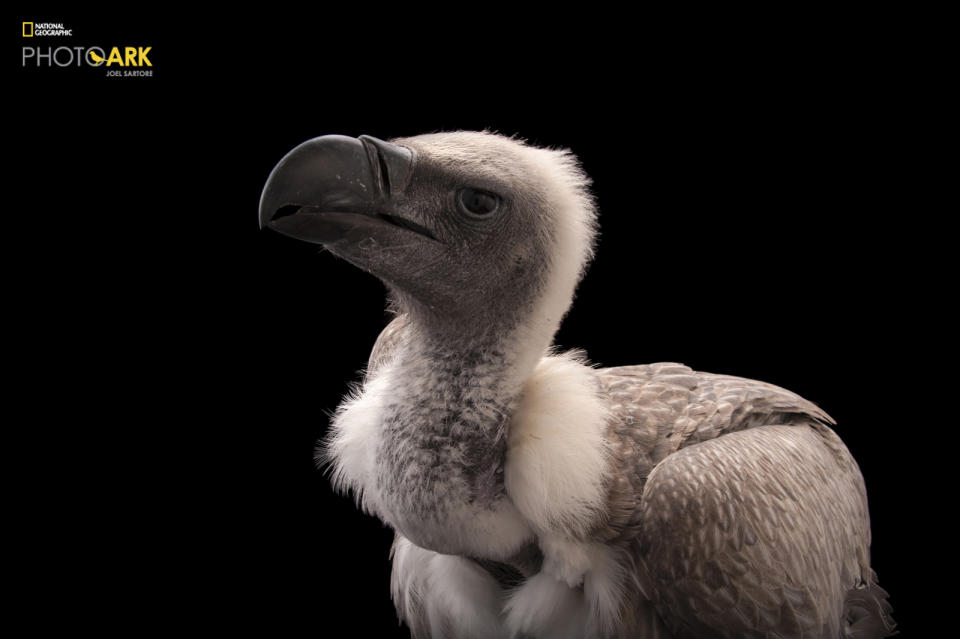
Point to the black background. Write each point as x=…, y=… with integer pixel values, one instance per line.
x=179, y=364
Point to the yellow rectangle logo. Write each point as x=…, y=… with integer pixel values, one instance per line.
x=27, y=29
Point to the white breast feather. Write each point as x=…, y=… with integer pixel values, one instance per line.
x=557, y=473
x=558, y=459
x=351, y=445
x=438, y=594
x=545, y=607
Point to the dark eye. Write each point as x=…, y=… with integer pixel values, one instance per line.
x=478, y=202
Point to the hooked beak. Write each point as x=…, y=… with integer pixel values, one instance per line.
x=335, y=189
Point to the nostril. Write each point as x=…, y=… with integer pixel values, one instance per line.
x=286, y=211
x=378, y=164
x=384, y=174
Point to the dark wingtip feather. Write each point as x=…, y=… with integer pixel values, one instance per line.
x=868, y=613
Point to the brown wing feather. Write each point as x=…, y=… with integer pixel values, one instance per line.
x=743, y=509
x=758, y=533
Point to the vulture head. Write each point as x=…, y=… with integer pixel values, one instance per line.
x=468, y=230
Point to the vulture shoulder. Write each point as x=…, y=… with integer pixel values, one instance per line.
x=658, y=409
x=583, y=441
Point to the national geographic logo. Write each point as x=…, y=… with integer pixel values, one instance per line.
x=121, y=61
x=45, y=29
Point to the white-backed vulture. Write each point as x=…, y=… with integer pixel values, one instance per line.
x=532, y=494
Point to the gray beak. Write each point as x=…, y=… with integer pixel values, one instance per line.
x=336, y=188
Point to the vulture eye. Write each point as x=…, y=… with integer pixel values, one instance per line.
x=478, y=202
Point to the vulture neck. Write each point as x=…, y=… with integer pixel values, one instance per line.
x=455, y=393
x=486, y=359
x=489, y=365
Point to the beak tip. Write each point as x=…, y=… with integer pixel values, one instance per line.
x=269, y=206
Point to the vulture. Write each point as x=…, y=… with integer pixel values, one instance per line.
x=533, y=494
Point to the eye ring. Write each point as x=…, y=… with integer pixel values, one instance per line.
x=477, y=202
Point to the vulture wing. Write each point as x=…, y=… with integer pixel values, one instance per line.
x=746, y=514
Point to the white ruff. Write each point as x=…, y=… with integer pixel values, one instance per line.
x=545, y=607
x=557, y=472
x=351, y=444
x=444, y=595
x=558, y=458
